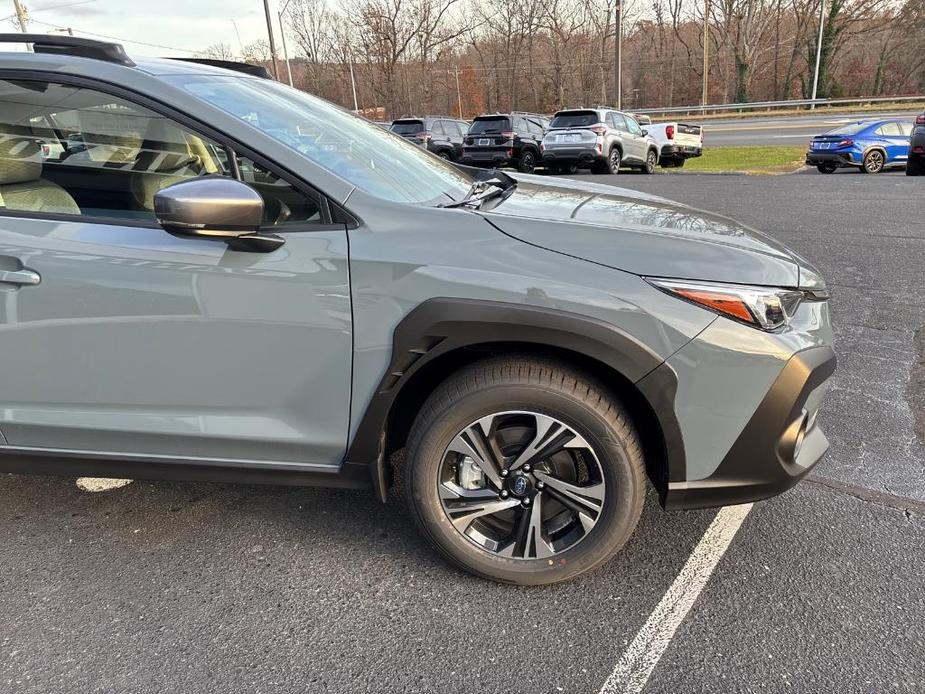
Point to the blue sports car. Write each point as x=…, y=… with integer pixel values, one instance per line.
x=871, y=145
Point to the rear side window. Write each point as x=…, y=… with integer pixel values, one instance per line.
x=889, y=130
x=77, y=151
x=536, y=129
x=490, y=125
x=619, y=122
x=407, y=127
x=574, y=119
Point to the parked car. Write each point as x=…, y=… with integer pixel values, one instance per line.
x=677, y=142
x=869, y=145
x=916, y=164
x=206, y=293
x=601, y=139
x=505, y=139
x=643, y=119
x=441, y=135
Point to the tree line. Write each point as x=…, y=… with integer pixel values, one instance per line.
x=475, y=56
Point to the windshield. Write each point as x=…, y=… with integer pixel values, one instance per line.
x=354, y=149
x=490, y=125
x=574, y=119
x=407, y=127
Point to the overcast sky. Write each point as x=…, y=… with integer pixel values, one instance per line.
x=177, y=27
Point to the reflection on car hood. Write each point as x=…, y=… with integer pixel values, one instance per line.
x=640, y=233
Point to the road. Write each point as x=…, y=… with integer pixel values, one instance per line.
x=781, y=130
x=168, y=587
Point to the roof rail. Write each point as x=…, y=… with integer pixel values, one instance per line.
x=246, y=68
x=72, y=45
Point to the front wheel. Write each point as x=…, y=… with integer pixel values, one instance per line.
x=651, y=162
x=873, y=162
x=525, y=471
x=826, y=167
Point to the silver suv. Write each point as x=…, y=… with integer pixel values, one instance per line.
x=601, y=139
x=213, y=276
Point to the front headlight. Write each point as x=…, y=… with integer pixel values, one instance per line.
x=765, y=308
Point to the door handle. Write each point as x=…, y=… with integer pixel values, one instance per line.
x=28, y=277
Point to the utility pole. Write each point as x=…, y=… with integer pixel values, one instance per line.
x=266, y=9
x=818, y=51
x=353, y=86
x=22, y=17
x=706, y=53
x=617, y=49
x=458, y=93
x=282, y=33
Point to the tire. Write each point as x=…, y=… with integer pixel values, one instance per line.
x=827, y=167
x=915, y=166
x=445, y=155
x=874, y=161
x=527, y=163
x=512, y=397
x=651, y=162
x=611, y=165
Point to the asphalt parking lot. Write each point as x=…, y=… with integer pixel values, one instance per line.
x=170, y=587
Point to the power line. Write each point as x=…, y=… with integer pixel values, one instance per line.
x=114, y=38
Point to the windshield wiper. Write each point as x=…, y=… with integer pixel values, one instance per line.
x=500, y=184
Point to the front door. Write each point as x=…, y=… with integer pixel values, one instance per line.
x=118, y=337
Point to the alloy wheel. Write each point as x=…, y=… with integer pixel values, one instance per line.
x=873, y=162
x=614, y=160
x=651, y=162
x=521, y=485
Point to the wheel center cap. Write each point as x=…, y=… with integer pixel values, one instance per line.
x=520, y=485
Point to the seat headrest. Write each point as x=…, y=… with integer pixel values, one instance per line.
x=20, y=157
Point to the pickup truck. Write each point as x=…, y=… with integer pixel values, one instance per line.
x=676, y=142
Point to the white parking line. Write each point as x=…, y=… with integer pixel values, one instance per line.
x=642, y=655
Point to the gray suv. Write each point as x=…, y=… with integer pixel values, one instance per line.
x=601, y=139
x=212, y=276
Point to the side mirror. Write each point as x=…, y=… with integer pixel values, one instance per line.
x=645, y=133
x=215, y=208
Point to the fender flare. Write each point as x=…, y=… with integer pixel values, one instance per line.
x=439, y=326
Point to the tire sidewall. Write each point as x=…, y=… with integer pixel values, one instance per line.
x=614, y=168
x=651, y=162
x=618, y=517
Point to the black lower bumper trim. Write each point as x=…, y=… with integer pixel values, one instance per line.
x=816, y=158
x=775, y=449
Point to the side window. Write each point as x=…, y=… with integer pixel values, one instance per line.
x=906, y=129
x=73, y=150
x=452, y=128
x=283, y=204
x=463, y=127
x=619, y=122
x=520, y=125
x=437, y=128
x=889, y=130
x=535, y=129
x=632, y=126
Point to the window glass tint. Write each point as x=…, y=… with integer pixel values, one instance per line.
x=452, y=128
x=437, y=128
x=574, y=119
x=463, y=127
x=535, y=128
x=495, y=124
x=71, y=150
x=407, y=127
x=906, y=128
x=619, y=122
x=520, y=124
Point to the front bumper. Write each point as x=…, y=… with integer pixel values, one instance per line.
x=778, y=446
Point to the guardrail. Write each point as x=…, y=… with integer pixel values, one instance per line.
x=772, y=105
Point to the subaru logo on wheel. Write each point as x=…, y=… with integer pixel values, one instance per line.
x=520, y=486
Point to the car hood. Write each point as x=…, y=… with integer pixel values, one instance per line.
x=640, y=233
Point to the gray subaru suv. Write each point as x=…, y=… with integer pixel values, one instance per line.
x=208, y=275
x=601, y=139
